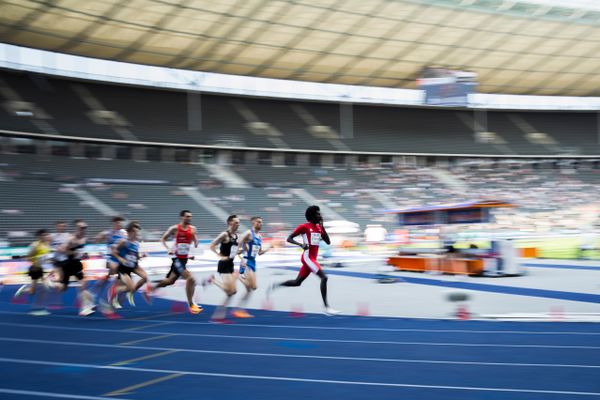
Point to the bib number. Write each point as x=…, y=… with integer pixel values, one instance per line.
x=254, y=252
x=46, y=261
x=78, y=254
x=315, y=239
x=131, y=260
x=183, y=249
x=233, y=252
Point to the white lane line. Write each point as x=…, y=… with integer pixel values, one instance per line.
x=341, y=328
x=171, y=350
x=52, y=394
x=296, y=379
x=317, y=340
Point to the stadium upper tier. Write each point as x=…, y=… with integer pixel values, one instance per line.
x=37, y=190
x=48, y=105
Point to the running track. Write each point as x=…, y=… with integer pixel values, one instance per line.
x=154, y=353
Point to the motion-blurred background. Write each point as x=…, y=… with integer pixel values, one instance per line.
x=146, y=107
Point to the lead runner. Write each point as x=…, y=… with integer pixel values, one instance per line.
x=312, y=232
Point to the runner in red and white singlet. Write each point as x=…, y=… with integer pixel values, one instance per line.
x=185, y=236
x=312, y=232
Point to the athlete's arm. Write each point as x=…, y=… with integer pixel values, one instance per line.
x=165, y=236
x=115, y=251
x=66, y=247
x=263, y=251
x=101, y=237
x=324, y=234
x=194, y=236
x=62, y=248
x=245, y=239
x=297, y=232
x=216, y=242
x=31, y=253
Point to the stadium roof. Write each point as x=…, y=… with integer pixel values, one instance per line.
x=542, y=47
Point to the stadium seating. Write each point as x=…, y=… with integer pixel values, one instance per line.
x=109, y=111
x=40, y=189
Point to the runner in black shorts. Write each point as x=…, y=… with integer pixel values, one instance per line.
x=40, y=257
x=59, y=238
x=185, y=236
x=127, y=254
x=228, y=250
x=74, y=250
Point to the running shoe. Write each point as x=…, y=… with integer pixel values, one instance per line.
x=115, y=303
x=113, y=299
x=195, y=309
x=108, y=311
x=131, y=299
x=147, y=294
x=85, y=311
x=111, y=292
x=39, y=313
x=50, y=282
x=242, y=314
x=21, y=291
x=331, y=311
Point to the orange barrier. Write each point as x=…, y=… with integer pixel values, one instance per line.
x=529, y=252
x=462, y=266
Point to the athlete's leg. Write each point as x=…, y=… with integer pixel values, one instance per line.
x=171, y=277
x=65, y=276
x=86, y=299
x=302, y=275
x=38, y=293
x=324, y=278
x=248, y=279
x=83, y=283
x=228, y=284
x=103, y=281
x=139, y=271
x=166, y=282
x=128, y=284
x=190, y=286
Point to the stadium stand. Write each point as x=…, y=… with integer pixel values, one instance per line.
x=109, y=111
x=39, y=189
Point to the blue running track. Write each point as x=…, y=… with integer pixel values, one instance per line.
x=154, y=353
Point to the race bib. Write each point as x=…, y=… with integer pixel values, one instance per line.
x=46, y=261
x=78, y=254
x=254, y=252
x=233, y=252
x=131, y=260
x=315, y=238
x=183, y=249
x=60, y=257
